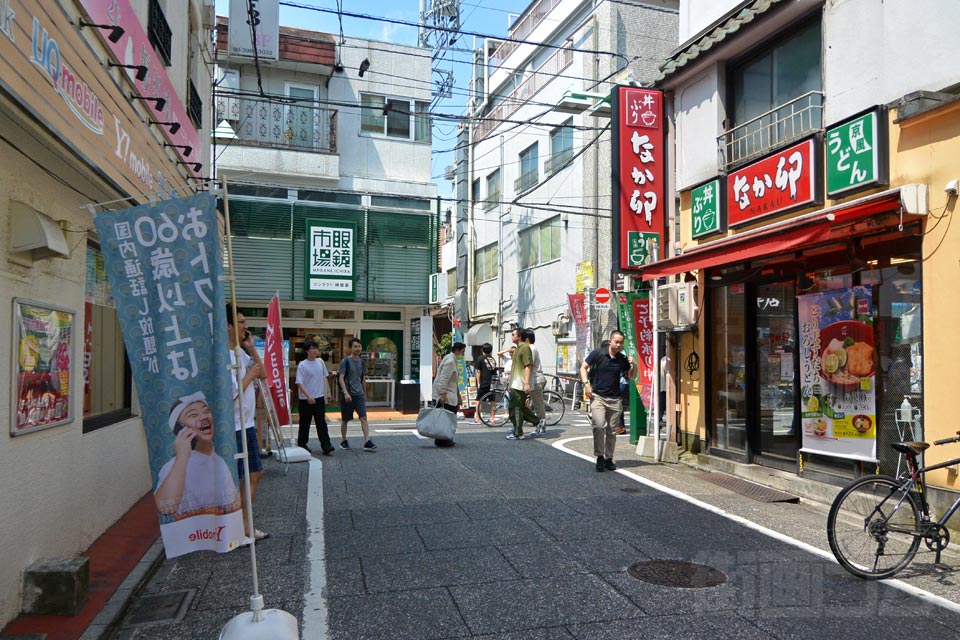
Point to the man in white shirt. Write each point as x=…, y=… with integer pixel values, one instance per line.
x=312, y=391
x=251, y=368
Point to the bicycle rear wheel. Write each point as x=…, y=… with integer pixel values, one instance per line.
x=493, y=409
x=873, y=527
x=552, y=407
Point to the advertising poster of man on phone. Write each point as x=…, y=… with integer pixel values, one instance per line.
x=163, y=263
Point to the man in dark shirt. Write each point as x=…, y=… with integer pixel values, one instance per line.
x=600, y=373
x=485, y=367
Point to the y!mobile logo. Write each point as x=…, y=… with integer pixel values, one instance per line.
x=206, y=534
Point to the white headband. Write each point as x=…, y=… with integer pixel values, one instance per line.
x=182, y=404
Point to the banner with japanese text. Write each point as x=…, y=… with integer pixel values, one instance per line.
x=274, y=363
x=838, y=373
x=633, y=313
x=163, y=262
x=639, y=182
x=42, y=386
x=776, y=184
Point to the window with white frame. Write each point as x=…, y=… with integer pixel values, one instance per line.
x=485, y=263
x=561, y=147
x=493, y=190
x=451, y=282
x=529, y=168
x=540, y=243
x=399, y=118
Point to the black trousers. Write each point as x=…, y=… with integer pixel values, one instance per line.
x=318, y=412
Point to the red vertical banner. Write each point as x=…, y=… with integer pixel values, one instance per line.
x=639, y=176
x=273, y=361
x=87, y=355
x=645, y=366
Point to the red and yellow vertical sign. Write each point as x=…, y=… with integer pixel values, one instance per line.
x=639, y=176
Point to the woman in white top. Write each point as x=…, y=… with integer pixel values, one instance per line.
x=446, y=390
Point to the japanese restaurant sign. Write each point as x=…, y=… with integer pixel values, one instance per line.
x=706, y=208
x=633, y=312
x=776, y=184
x=330, y=260
x=163, y=263
x=639, y=171
x=838, y=373
x=856, y=156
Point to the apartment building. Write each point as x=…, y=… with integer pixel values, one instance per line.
x=332, y=139
x=533, y=175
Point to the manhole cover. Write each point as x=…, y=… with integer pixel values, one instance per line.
x=675, y=573
x=160, y=607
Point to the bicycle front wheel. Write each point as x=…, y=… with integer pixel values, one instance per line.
x=873, y=527
x=552, y=408
x=493, y=410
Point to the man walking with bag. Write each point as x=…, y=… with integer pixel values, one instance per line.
x=521, y=383
x=600, y=374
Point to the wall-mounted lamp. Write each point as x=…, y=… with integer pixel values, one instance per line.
x=363, y=67
x=338, y=67
x=115, y=32
x=195, y=165
x=174, y=126
x=187, y=149
x=159, y=103
x=141, y=69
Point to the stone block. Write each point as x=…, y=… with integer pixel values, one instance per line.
x=56, y=586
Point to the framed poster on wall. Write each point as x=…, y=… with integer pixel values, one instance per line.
x=42, y=382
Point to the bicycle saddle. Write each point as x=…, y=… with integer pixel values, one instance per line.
x=907, y=447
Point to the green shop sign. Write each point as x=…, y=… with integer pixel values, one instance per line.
x=856, y=154
x=643, y=248
x=707, y=208
x=330, y=263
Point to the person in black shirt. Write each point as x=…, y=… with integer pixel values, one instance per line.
x=600, y=373
x=486, y=368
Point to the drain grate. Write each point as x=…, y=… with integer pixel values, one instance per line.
x=676, y=573
x=632, y=490
x=159, y=608
x=751, y=490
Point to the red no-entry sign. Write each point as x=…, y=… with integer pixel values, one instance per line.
x=602, y=296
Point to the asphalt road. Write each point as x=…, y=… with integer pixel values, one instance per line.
x=509, y=540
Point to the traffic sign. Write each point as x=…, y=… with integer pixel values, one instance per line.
x=602, y=296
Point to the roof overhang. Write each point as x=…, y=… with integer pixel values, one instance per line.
x=795, y=233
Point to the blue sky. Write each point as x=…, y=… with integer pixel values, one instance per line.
x=489, y=17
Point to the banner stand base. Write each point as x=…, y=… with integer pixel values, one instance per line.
x=261, y=624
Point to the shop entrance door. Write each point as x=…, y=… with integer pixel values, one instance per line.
x=775, y=428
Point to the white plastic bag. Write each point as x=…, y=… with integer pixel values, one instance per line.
x=436, y=423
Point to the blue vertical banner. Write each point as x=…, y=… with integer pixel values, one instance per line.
x=163, y=262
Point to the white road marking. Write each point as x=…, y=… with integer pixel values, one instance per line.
x=315, y=603
x=776, y=535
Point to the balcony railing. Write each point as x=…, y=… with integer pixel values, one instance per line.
x=266, y=123
x=754, y=138
x=557, y=161
x=526, y=181
x=537, y=80
x=521, y=30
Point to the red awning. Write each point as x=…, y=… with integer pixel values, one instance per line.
x=804, y=231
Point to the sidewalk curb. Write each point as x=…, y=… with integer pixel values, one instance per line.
x=116, y=606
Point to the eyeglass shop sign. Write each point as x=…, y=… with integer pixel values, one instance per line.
x=330, y=260
x=856, y=154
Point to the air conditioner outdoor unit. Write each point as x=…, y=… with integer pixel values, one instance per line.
x=676, y=305
x=559, y=327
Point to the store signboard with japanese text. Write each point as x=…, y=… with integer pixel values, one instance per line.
x=856, y=154
x=706, y=208
x=43, y=344
x=633, y=312
x=778, y=183
x=838, y=373
x=639, y=182
x=254, y=16
x=330, y=260
x=163, y=263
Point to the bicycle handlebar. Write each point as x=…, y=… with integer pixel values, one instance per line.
x=948, y=440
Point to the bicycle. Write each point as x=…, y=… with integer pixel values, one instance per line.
x=498, y=398
x=877, y=522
